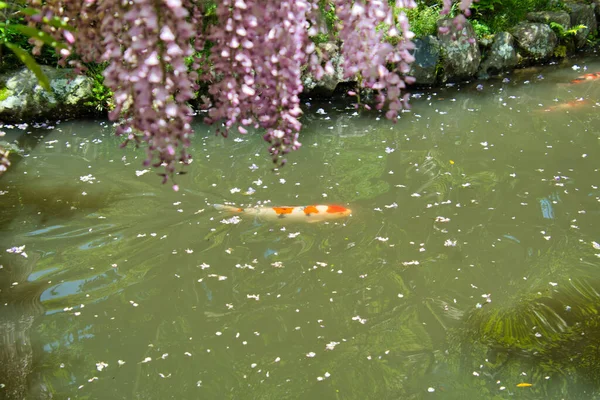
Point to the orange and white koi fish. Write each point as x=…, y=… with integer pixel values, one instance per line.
x=569, y=105
x=315, y=213
x=586, y=78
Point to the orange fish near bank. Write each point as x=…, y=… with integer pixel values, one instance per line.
x=586, y=78
x=315, y=213
x=569, y=105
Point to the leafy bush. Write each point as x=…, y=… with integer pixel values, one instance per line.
x=15, y=35
x=328, y=12
x=329, y=22
x=423, y=19
x=481, y=29
x=13, y=30
x=564, y=33
x=9, y=35
x=102, y=96
x=489, y=16
x=499, y=15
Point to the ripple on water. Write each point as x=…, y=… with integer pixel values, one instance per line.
x=43, y=231
x=101, y=241
x=71, y=233
x=77, y=286
x=37, y=275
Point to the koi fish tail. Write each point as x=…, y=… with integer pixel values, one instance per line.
x=223, y=207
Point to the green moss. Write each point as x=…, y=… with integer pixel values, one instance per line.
x=439, y=67
x=560, y=51
x=4, y=93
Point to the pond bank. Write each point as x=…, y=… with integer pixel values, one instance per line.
x=454, y=57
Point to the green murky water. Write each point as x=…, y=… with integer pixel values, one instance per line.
x=470, y=264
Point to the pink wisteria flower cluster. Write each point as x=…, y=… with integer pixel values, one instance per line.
x=367, y=55
x=459, y=20
x=259, y=48
x=146, y=49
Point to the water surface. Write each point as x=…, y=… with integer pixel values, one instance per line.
x=469, y=265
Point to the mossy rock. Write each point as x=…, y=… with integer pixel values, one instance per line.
x=23, y=98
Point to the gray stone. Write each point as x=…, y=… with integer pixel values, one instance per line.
x=596, y=7
x=328, y=83
x=23, y=98
x=535, y=41
x=500, y=57
x=546, y=17
x=582, y=14
x=486, y=42
x=459, y=50
x=427, y=56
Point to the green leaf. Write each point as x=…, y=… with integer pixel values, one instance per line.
x=37, y=34
x=31, y=64
x=54, y=21
x=3, y=5
x=30, y=11
x=59, y=23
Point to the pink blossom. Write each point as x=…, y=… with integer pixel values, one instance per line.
x=259, y=49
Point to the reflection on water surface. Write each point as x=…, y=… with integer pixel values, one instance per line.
x=469, y=265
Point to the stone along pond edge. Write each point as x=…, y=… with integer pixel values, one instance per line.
x=438, y=60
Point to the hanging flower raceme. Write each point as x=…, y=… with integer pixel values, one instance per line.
x=146, y=50
x=145, y=43
x=259, y=49
x=459, y=20
x=149, y=77
x=84, y=16
x=367, y=55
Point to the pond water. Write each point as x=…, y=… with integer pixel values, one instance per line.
x=469, y=265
